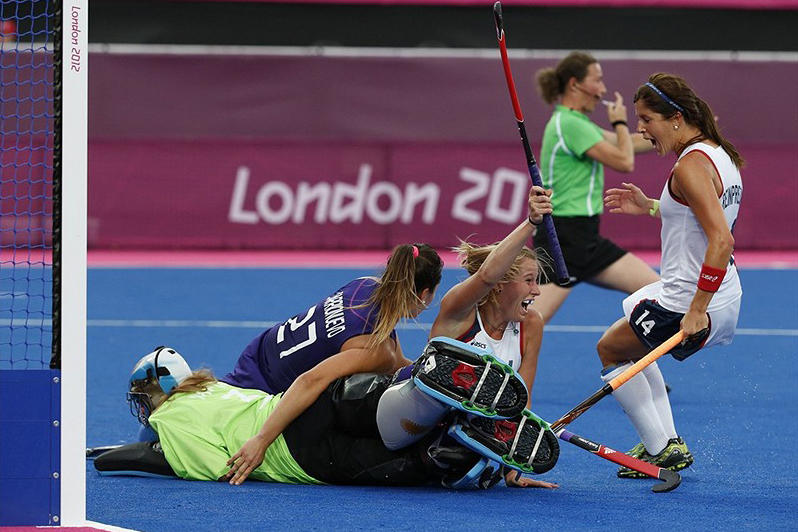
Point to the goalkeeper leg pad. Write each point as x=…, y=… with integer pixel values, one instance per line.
x=141, y=459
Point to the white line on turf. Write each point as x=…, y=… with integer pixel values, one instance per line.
x=244, y=324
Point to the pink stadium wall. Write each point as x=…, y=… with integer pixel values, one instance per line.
x=257, y=151
x=740, y=4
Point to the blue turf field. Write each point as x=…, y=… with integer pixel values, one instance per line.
x=736, y=406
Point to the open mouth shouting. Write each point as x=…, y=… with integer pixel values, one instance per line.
x=653, y=141
x=525, y=304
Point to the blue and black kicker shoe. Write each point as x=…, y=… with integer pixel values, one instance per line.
x=524, y=443
x=469, y=379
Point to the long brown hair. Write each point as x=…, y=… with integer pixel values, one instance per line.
x=552, y=81
x=411, y=268
x=695, y=111
x=198, y=381
x=472, y=256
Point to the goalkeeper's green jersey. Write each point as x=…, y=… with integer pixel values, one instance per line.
x=577, y=180
x=200, y=431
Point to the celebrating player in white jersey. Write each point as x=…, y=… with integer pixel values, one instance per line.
x=492, y=310
x=699, y=291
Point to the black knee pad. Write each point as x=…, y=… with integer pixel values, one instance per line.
x=355, y=400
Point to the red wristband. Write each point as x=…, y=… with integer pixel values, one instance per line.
x=710, y=278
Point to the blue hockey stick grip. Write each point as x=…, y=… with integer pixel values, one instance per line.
x=548, y=224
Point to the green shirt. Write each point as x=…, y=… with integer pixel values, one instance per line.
x=577, y=180
x=200, y=431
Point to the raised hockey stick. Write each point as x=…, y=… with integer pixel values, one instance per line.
x=534, y=172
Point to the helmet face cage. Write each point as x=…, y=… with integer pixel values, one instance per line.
x=162, y=369
x=140, y=406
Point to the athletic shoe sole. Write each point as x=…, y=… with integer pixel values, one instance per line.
x=478, y=383
x=499, y=439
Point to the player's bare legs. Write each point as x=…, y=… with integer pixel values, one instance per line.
x=619, y=344
x=627, y=274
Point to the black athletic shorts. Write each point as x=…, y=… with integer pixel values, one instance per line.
x=336, y=441
x=653, y=324
x=585, y=251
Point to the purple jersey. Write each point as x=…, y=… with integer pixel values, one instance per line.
x=276, y=357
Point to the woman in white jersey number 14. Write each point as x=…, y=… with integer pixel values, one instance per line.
x=699, y=291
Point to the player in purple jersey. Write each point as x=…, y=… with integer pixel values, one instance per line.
x=275, y=358
x=348, y=332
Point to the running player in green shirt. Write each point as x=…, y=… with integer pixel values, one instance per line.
x=572, y=159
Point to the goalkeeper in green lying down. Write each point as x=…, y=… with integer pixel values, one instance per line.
x=336, y=441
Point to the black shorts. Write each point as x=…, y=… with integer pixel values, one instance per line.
x=585, y=251
x=653, y=324
x=336, y=441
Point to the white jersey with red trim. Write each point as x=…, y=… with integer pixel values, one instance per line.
x=684, y=243
x=508, y=349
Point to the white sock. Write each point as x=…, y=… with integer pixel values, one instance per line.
x=405, y=414
x=660, y=397
x=636, y=400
